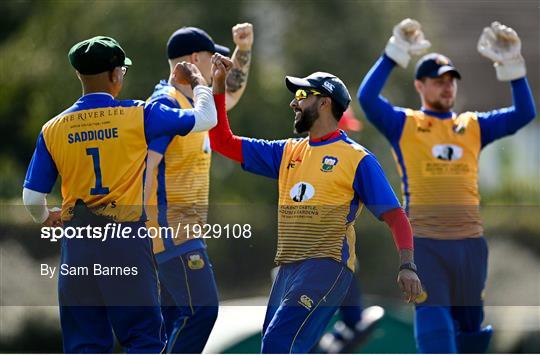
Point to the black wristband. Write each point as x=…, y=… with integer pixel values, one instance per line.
x=408, y=266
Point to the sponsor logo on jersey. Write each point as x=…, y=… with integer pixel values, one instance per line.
x=293, y=162
x=306, y=302
x=195, y=261
x=447, y=152
x=328, y=163
x=424, y=127
x=302, y=192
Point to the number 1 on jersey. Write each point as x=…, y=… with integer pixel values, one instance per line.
x=98, y=189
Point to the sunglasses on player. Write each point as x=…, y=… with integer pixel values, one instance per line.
x=301, y=94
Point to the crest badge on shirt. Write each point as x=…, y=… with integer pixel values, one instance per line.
x=328, y=164
x=459, y=128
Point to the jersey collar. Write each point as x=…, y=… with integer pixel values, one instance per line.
x=329, y=138
x=96, y=96
x=441, y=115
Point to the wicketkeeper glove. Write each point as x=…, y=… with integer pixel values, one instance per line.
x=502, y=45
x=407, y=39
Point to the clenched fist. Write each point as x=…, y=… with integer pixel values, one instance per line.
x=185, y=73
x=243, y=36
x=221, y=66
x=54, y=219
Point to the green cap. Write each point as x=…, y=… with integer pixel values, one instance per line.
x=97, y=55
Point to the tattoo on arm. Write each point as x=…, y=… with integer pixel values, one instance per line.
x=238, y=75
x=235, y=80
x=243, y=58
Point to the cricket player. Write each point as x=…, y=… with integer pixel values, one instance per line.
x=355, y=323
x=177, y=183
x=436, y=151
x=98, y=146
x=324, y=181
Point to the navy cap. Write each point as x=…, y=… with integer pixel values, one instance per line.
x=97, y=55
x=434, y=65
x=189, y=40
x=326, y=83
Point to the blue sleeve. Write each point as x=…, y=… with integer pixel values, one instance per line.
x=159, y=145
x=388, y=119
x=160, y=120
x=165, y=100
x=42, y=173
x=262, y=157
x=373, y=188
x=506, y=121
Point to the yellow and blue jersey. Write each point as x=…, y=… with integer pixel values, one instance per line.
x=98, y=146
x=438, y=162
x=322, y=189
x=437, y=154
x=182, y=179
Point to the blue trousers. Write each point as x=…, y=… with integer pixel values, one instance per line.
x=93, y=305
x=189, y=300
x=352, y=307
x=304, y=297
x=453, y=275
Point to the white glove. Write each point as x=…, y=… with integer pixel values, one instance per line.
x=408, y=39
x=502, y=45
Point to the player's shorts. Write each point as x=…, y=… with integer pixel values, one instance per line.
x=304, y=297
x=115, y=288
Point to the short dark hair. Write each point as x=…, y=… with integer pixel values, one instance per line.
x=337, y=111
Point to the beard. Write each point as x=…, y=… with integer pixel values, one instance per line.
x=307, y=117
x=442, y=106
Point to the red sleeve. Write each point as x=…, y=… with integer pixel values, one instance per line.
x=400, y=227
x=222, y=139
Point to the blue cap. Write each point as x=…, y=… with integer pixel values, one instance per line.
x=189, y=40
x=433, y=65
x=326, y=83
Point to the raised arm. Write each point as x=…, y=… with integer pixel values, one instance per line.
x=237, y=78
x=507, y=121
x=502, y=45
x=407, y=39
x=385, y=117
x=161, y=120
x=256, y=155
